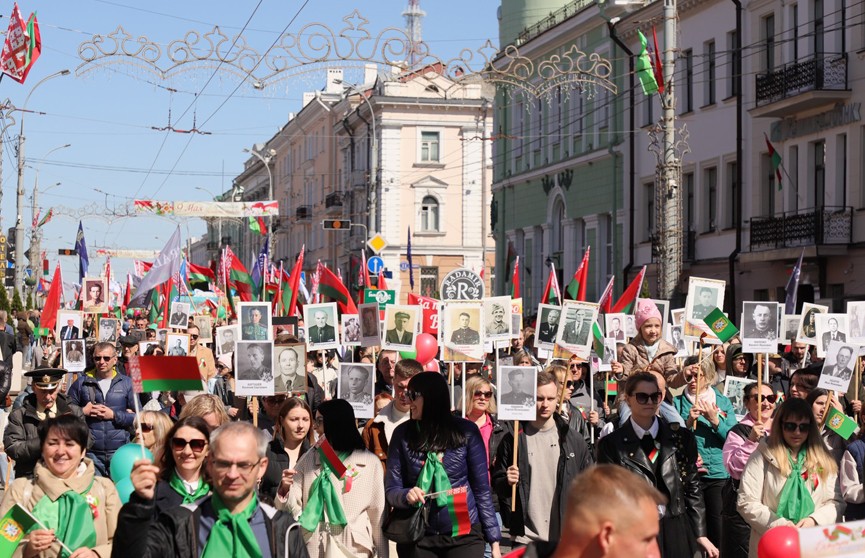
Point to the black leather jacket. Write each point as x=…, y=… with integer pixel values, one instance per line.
x=678, y=456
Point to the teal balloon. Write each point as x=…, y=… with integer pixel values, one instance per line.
x=124, y=489
x=220, y=312
x=408, y=354
x=123, y=459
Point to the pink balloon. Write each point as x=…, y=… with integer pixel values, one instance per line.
x=432, y=366
x=426, y=348
x=779, y=542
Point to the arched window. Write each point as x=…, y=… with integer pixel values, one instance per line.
x=557, y=221
x=429, y=214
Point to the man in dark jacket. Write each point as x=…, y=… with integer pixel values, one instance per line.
x=550, y=456
x=106, y=398
x=21, y=438
x=236, y=463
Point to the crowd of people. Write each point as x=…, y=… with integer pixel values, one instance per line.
x=659, y=465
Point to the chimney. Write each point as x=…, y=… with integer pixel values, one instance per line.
x=331, y=86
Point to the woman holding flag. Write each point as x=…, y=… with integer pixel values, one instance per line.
x=439, y=456
x=76, y=509
x=335, y=492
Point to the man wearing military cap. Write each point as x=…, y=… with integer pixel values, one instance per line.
x=398, y=335
x=128, y=348
x=22, y=438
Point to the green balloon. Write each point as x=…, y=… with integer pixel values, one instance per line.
x=124, y=489
x=408, y=354
x=123, y=458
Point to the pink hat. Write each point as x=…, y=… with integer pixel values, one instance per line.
x=646, y=310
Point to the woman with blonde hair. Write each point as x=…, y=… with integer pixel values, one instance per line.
x=206, y=406
x=790, y=479
x=154, y=427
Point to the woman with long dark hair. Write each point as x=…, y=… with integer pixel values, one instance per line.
x=436, y=452
x=791, y=479
x=339, y=508
x=292, y=438
x=181, y=458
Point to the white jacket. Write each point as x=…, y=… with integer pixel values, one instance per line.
x=760, y=491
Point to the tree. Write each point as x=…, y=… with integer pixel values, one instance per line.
x=29, y=301
x=17, y=305
x=4, y=300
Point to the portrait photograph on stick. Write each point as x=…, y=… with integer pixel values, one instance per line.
x=704, y=295
x=355, y=385
x=760, y=327
x=463, y=323
x=838, y=366
x=350, y=329
x=95, y=291
x=808, y=325
x=289, y=375
x=549, y=317
x=370, y=333
x=255, y=321
x=320, y=324
x=253, y=366
x=400, y=323
x=516, y=390
x=575, y=333
x=205, y=327
x=829, y=327
x=73, y=355
x=69, y=324
x=177, y=344
x=497, y=311
x=226, y=337
x=179, y=315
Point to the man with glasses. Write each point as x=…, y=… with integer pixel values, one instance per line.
x=230, y=522
x=21, y=438
x=552, y=455
x=105, y=398
x=378, y=431
x=128, y=348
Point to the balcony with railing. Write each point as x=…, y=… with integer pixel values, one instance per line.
x=806, y=227
x=810, y=83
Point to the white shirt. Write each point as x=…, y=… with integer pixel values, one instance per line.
x=638, y=430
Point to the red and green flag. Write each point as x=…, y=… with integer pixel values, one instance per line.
x=774, y=159
x=515, y=279
x=238, y=277
x=199, y=276
x=576, y=289
x=597, y=339
x=628, y=301
x=164, y=373
x=327, y=453
x=612, y=388
x=294, y=283
x=604, y=303
x=257, y=225
x=644, y=69
x=48, y=216
x=331, y=286
x=552, y=294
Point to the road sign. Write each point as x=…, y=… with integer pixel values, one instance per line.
x=375, y=264
x=377, y=243
x=383, y=298
x=462, y=284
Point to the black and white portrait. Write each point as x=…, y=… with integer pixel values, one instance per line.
x=401, y=324
x=290, y=370
x=73, y=355
x=255, y=321
x=734, y=390
x=69, y=324
x=678, y=340
x=162, y=337
x=463, y=325
x=95, y=295
x=704, y=295
x=808, y=325
x=789, y=327
x=609, y=351
x=516, y=389
x=760, y=326
x=497, y=311
x=370, y=334
x=179, y=315
x=549, y=318
x=575, y=334
x=838, y=366
x=320, y=323
x=356, y=386
x=253, y=368
x=108, y=330
x=830, y=327
x=226, y=337
x=177, y=344
x=350, y=329
x=856, y=322
x=205, y=327
x=614, y=325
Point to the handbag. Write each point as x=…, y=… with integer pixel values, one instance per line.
x=405, y=525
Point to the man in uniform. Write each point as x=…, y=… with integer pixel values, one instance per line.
x=705, y=303
x=94, y=294
x=178, y=317
x=497, y=325
x=517, y=395
x=761, y=324
x=465, y=335
x=841, y=368
x=227, y=341
x=177, y=349
x=399, y=335
x=321, y=332
x=354, y=382
x=547, y=331
x=254, y=331
x=21, y=438
x=257, y=370
x=74, y=354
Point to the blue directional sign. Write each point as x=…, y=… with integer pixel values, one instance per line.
x=375, y=264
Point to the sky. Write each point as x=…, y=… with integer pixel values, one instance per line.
x=107, y=111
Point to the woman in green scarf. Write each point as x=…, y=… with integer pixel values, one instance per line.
x=78, y=508
x=790, y=479
x=181, y=475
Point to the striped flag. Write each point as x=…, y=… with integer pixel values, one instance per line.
x=774, y=159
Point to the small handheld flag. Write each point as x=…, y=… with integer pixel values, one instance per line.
x=839, y=423
x=720, y=325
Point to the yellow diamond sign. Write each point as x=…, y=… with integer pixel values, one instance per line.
x=377, y=243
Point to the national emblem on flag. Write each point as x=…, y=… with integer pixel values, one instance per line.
x=719, y=325
x=10, y=529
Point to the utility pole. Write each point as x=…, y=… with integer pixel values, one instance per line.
x=484, y=212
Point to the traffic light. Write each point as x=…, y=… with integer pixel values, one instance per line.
x=336, y=224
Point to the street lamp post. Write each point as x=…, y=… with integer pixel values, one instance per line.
x=265, y=159
x=36, y=235
x=19, y=223
x=373, y=158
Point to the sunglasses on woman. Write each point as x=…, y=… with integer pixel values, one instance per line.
x=802, y=427
x=197, y=445
x=571, y=384
x=644, y=398
x=484, y=394
x=413, y=395
x=146, y=427
x=770, y=398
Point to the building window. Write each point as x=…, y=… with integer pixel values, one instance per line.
x=649, y=193
x=732, y=188
x=841, y=173
x=710, y=72
x=794, y=24
x=769, y=41
x=733, y=63
x=609, y=254
x=710, y=186
x=819, y=151
x=819, y=29
x=688, y=101
x=429, y=281
x=429, y=214
x=429, y=147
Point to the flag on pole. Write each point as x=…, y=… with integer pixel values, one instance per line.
x=382, y=283
x=237, y=276
x=607, y=296
x=408, y=257
x=294, y=282
x=515, y=279
x=597, y=339
x=81, y=248
x=657, y=66
x=199, y=276
x=839, y=423
x=16, y=49
x=14, y=526
x=327, y=453
x=793, y=286
x=127, y=296
x=259, y=270
x=256, y=224
x=628, y=301
x=552, y=294
x=644, y=67
x=52, y=301
x=329, y=285
x=576, y=289
x=774, y=159
x=164, y=373
x=165, y=266
x=44, y=221
x=720, y=325
x=34, y=45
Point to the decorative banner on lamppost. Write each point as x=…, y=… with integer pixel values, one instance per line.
x=208, y=208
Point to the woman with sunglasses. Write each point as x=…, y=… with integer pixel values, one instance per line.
x=434, y=444
x=77, y=507
x=481, y=410
x=647, y=349
x=666, y=456
x=582, y=400
x=292, y=437
x=154, y=427
x=742, y=441
x=334, y=508
x=181, y=476
x=835, y=444
x=790, y=479
x=710, y=416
